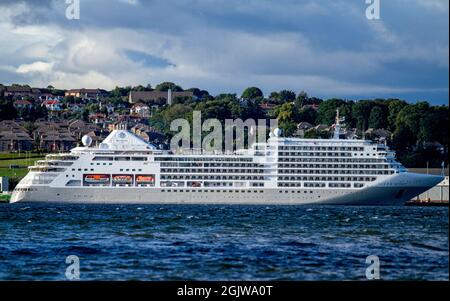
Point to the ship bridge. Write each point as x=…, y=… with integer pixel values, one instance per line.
x=120, y=140
x=124, y=140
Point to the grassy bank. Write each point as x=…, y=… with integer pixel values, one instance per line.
x=4, y=198
x=22, y=155
x=19, y=162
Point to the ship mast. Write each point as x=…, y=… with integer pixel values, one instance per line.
x=337, y=126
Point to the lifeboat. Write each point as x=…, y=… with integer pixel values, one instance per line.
x=145, y=179
x=122, y=179
x=96, y=179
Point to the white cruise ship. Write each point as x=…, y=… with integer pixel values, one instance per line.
x=125, y=169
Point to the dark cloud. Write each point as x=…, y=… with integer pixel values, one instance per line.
x=404, y=53
x=147, y=59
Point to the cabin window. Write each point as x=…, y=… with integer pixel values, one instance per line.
x=139, y=158
x=73, y=183
x=122, y=158
x=103, y=159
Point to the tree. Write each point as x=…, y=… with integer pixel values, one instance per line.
x=69, y=99
x=302, y=99
x=252, y=93
x=394, y=107
x=361, y=112
x=274, y=97
x=287, y=112
x=119, y=92
x=29, y=127
x=433, y=127
x=327, y=110
x=403, y=139
x=39, y=112
x=308, y=115
x=7, y=110
x=139, y=88
x=411, y=117
x=377, y=119
x=200, y=94
x=315, y=134
x=181, y=99
x=165, y=86
x=288, y=117
x=85, y=115
x=286, y=95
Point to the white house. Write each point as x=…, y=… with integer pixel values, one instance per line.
x=52, y=105
x=141, y=110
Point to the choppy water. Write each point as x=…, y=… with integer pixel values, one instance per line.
x=156, y=242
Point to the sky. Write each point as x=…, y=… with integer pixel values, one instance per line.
x=326, y=48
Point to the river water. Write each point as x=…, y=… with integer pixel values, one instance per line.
x=204, y=242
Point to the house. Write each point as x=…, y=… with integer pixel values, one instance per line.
x=117, y=125
x=22, y=104
x=97, y=136
x=378, y=134
x=156, y=97
x=148, y=133
x=52, y=105
x=97, y=118
x=21, y=92
x=75, y=107
x=434, y=145
x=352, y=133
x=56, y=124
x=141, y=110
x=129, y=120
x=79, y=128
x=54, y=141
x=49, y=96
x=17, y=92
x=14, y=137
x=6, y=124
x=313, y=106
x=267, y=106
x=11, y=125
x=53, y=136
x=110, y=108
x=87, y=94
x=45, y=96
x=302, y=128
x=76, y=124
x=322, y=128
x=15, y=141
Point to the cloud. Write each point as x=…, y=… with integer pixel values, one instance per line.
x=36, y=67
x=327, y=48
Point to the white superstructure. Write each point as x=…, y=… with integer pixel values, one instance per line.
x=126, y=169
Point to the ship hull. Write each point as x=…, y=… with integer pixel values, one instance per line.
x=135, y=195
x=394, y=190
